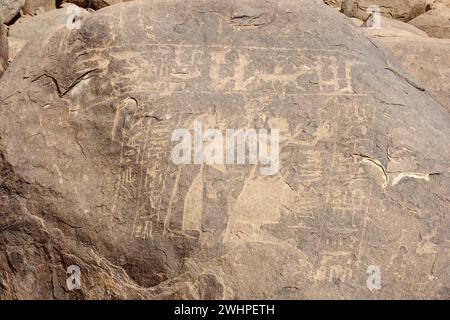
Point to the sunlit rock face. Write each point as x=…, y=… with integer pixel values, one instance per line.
x=87, y=176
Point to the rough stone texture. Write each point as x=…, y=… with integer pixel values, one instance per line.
x=86, y=176
x=9, y=9
x=95, y=4
x=357, y=22
x=404, y=10
x=333, y=3
x=427, y=60
x=29, y=28
x=15, y=46
x=434, y=4
x=3, y=49
x=436, y=23
x=37, y=6
x=393, y=28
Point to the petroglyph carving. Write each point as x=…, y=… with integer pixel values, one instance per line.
x=87, y=174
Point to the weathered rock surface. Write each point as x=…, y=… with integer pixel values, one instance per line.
x=434, y=4
x=15, y=46
x=393, y=28
x=86, y=177
x=3, y=48
x=404, y=10
x=333, y=3
x=29, y=28
x=436, y=23
x=9, y=9
x=427, y=60
x=38, y=6
x=96, y=4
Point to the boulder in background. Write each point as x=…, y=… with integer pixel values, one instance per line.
x=393, y=28
x=436, y=22
x=9, y=9
x=95, y=4
x=29, y=28
x=404, y=10
x=36, y=6
x=427, y=60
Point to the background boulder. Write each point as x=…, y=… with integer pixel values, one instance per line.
x=31, y=28
x=37, y=6
x=427, y=60
x=394, y=28
x=403, y=10
x=434, y=4
x=9, y=9
x=95, y=4
x=436, y=22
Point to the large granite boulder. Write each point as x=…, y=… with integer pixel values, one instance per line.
x=87, y=177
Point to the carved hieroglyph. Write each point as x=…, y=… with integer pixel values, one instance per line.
x=86, y=144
